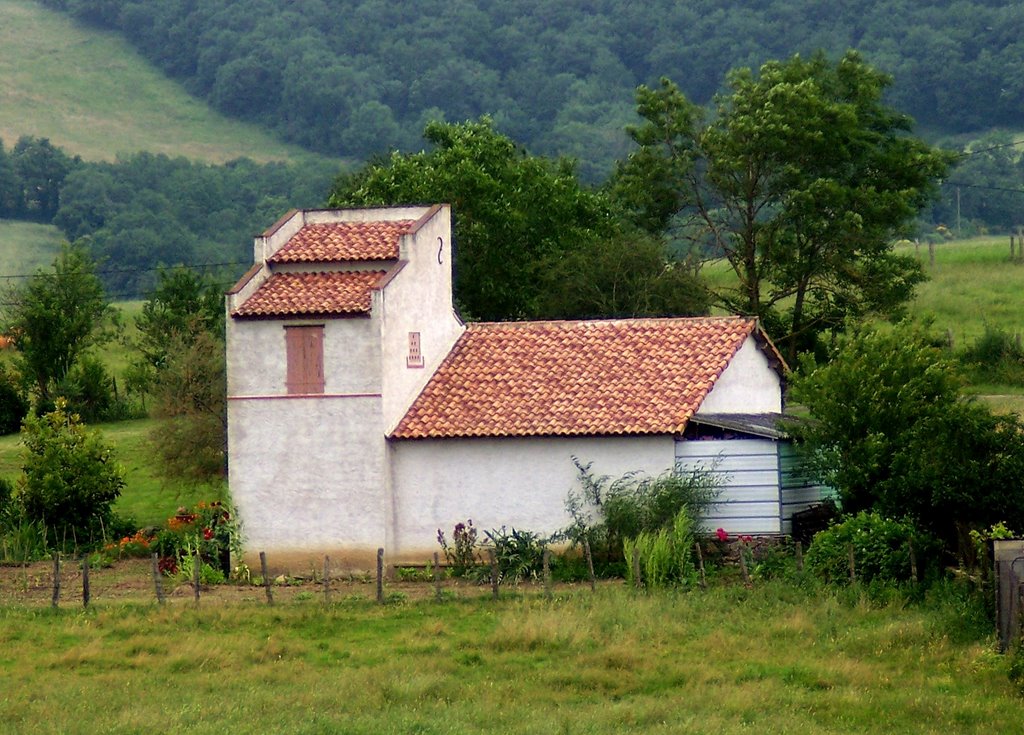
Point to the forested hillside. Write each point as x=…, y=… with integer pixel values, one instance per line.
x=357, y=77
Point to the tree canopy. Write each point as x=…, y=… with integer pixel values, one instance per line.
x=801, y=181
x=892, y=433
x=362, y=77
x=54, y=318
x=526, y=230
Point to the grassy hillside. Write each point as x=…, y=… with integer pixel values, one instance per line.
x=90, y=93
x=25, y=247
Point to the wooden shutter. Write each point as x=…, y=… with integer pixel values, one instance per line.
x=305, y=352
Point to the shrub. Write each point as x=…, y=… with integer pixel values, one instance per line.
x=881, y=549
x=13, y=404
x=518, y=554
x=996, y=356
x=210, y=529
x=606, y=512
x=70, y=478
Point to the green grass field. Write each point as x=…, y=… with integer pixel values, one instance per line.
x=972, y=284
x=147, y=498
x=90, y=93
x=774, y=659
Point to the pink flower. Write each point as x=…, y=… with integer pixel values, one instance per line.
x=722, y=535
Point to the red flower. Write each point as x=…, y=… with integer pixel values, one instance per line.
x=207, y=533
x=722, y=535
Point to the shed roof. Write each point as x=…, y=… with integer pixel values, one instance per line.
x=312, y=294
x=635, y=376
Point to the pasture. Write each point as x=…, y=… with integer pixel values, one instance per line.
x=779, y=658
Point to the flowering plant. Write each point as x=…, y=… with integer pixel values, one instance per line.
x=209, y=529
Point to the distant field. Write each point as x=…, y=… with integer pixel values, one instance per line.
x=973, y=283
x=25, y=247
x=90, y=93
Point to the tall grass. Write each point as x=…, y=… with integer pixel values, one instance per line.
x=770, y=660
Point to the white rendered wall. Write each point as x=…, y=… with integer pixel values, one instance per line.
x=417, y=299
x=257, y=358
x=512, y=481
x=747, y=385
x=305, y=475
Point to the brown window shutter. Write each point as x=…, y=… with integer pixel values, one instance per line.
x=305, y=356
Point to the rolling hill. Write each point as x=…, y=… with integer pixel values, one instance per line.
x=93, y=95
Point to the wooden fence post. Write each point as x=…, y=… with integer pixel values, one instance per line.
x=56, y=580
x=547, y=573
x=590, y=564
x=494, y=573
x=931, y=253
x=437, y=576
x=380, y=576
x=853, y=563
x=266, y=578
x=700, y=565
x=327, y=579
x=85, y=581
x=158, y=584
x=743, y=566
x=799, y=556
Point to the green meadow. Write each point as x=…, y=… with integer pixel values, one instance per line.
x=90, y=93
x=774, y=659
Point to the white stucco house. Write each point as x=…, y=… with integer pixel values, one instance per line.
x=363, y=413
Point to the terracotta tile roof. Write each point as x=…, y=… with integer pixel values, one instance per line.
x=637, y=376
x=338, y=241
x=294, y=294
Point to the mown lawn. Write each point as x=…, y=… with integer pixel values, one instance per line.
x=775, y=659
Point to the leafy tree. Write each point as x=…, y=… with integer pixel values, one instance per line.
x=70, y=477
x=892, y=433
x=622, y=276
x=191, y=395
x=41, y=168
x=515, y=214
x=55, y=317
x=530, y=240
x=183, y=305
x=801, y=181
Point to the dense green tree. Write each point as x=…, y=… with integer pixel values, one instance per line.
x=516, y=215
x=801, y=181
x=41, y=167
x=183, y=305
x=892, y=433
x=55, y=317
x=554, y=78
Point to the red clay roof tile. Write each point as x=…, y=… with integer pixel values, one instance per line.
x=637, y=376
x=320, y=294
x=340, y=241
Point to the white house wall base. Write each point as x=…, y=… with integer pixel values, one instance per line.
x=517, y=482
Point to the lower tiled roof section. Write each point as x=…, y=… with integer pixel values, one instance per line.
x=312, y=294
x=341, y=241
x=635, y=376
